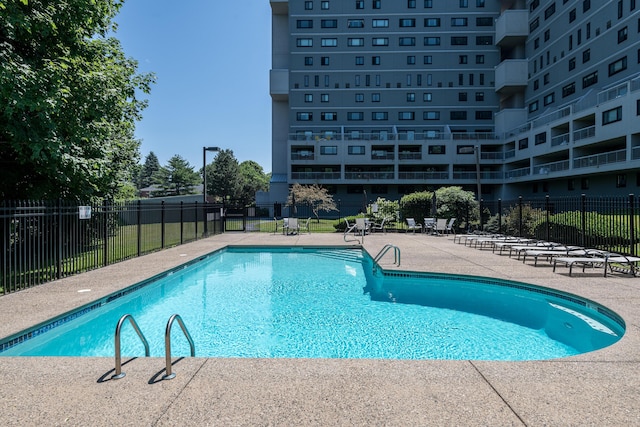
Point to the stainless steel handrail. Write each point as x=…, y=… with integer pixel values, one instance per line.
x=385, y=249
x=119, y=374
x=167, y=344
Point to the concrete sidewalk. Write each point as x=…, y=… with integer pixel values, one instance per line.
x=598, y=388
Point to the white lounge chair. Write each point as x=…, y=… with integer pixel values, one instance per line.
x=595, y=258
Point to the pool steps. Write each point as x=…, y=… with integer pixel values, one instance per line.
x=167, y=344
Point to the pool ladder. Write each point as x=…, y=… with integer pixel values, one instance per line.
x=384, y=250
x=167, y=344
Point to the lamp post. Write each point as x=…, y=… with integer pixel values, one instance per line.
x=204, y=184
x=476, y=150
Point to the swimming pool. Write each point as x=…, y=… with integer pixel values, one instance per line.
x=319, y=302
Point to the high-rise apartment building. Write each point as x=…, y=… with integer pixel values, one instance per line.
x=507, y=97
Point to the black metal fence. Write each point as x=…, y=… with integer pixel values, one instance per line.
x=44, y=241
x=48, y=241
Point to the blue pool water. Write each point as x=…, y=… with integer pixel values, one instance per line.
x=321, y=303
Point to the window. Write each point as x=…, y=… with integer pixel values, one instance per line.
x=329, y=150
x=623, y=33
x=572, y=63
x=611, y=116
x=618, y=66
x=428, y=97
x=479, y=59
x=308, y=97
x=621, y=180
x=406, y=115
x=533, y=106
x=458, y=115
x=359, y=4
x=324, y=97
x=405, y=22
x=355, y=115
x=431, y=115
x=620, y=12
x=484, y=115
x=533, y=25
x=304, y=42
x=380, y=23
x=329, y=23
x=304, y=23
x=379, y=115
x=308, y=60
x=462, y=96
x=377, y=4
x=484, y=40
x=356, y=149
x=459, y=22
x=329, y=42
x=484, y=21
x=545, y=79
x=464, y=3
x=407, y=41
x=380, y=41
x=431, y=22
x=572, y=15
x=590, y=79
x=465, y=149
x=375, y=60
x=586, y=5
x=437, y=149
x=548, y=99
x=359, y=97
x=324, y=5
x=428, y=4
x=569, y=89
x=480, y=96
x=541, y=138
x=523, y=143
x=547, y=36
x=411, y=60
x=308, y=5
x=375, y=97
x=432, y=41
x=428, y=60
x=586, y=55
x=355, y=23
x=584, y=183
x=359, y=60
x=355, y=42
x=462, y=59
x=304, y=116
x=480, y=3
x=328, y=117
x=550, y=11
x=458, y=41
x=411, y=4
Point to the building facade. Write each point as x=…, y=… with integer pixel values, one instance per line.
x=505, y=98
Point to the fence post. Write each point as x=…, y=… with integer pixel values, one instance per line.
x=139, y=227
x=59, y=238
x=162, y=232
x=105, y=229
x=632, y=226
x=500, y=216
x=583, y=220
x=480, y=207
x=520, y=216
x=546, y=209
x=196, y=219
x=181, y=222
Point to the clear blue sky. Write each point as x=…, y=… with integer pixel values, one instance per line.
x=212, y=60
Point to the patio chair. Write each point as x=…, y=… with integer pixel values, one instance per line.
x=441, y=226
x=305, y=226
x=291, y=226
x=378, y=227
x=449, y=229
x=429, y=225
x=412, y=225
x=362, y=227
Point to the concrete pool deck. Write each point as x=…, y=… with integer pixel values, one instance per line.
x=597, y=388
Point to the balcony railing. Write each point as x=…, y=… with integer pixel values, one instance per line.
x=584, y=133
x=547, y=168
x=516, y=173
x=409, y=156
x=560, y=139
x=635, y=153
x=423, y=175
x=302, y=156
x=315, y=175
x=381, y=155
x=600, y=159
x=368, y=175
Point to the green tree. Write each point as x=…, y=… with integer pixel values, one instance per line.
x=178, y=177
x=253, y=179
x=68, y=100
x=149, y=172
x=454, y=202
x=316, y=196
x=223, y=176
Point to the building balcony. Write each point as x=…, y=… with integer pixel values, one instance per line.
x=511, y=76
x=279, y=7
x=386, y=175
x=512, y=27
x=598, y=160
x=279, y=84
x=315, y=176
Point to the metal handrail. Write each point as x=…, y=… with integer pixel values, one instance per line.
x=119, y=374
x=167, y=344
x=385, y=249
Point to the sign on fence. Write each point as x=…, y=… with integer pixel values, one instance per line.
x=84, y=212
